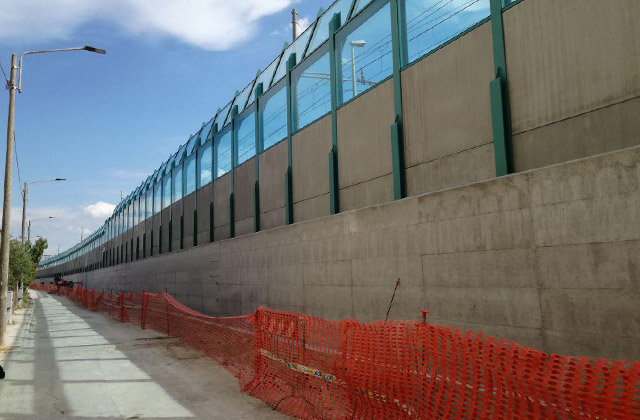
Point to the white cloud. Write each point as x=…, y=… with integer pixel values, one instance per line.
x=209, y=24
x=285, y=30
x=99, y=210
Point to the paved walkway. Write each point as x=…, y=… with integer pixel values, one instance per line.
x=69, y=363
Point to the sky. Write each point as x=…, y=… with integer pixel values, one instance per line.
x=105, y=122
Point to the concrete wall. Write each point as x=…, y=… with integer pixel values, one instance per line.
x=364, y=149
x=573, y=71
x=245, y=177
x=447, y=115
x=273, y=164
x=221, y=192
x=549, y=258
x=310, y=156
x=189, y=203
x=204, y=202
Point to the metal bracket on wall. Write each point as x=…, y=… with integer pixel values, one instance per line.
x=288, y=196
x=232, y=206
x=258, y=147
x=334, y=180
x=288, y=176
x=399, y=50
x=195, y=227
x=499, y=91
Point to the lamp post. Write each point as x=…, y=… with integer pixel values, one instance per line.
x=25, y=198
x=354, y=44
x=6, y=205
x=33, y=220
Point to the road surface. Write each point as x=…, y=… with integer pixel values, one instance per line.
x=65, y=362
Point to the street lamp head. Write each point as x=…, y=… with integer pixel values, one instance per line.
x=358, y=43
x=94, y=49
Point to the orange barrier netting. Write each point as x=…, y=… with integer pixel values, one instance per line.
x=314, y=368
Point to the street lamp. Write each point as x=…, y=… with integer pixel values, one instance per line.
x=8, y=166
x=25, y=195
x=33, y=220
x=356, y=43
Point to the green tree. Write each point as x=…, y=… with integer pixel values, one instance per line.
x=21, y=266
x=38, y=249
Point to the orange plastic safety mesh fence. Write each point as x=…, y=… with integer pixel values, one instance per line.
x=314, y=368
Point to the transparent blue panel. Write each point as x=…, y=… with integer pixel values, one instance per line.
x=190, y=174
x=166, y=190
x=141, y=204
x=135, y=212
x=282, y=67
x=245, y=138
x=321, y=33
x=302, y=41
x=361, y=4
x=204, y=132
x=222, y=115
x=191, y=143
x=205, y=161
x=235, y=102
x=223, y=153
x=274, y=118
x=313, y=91
x=157, y=196
x=149, y=207
x=241, y=100
x=366, y=54
x=431, y=23
x=177, y=183
x=264, y=78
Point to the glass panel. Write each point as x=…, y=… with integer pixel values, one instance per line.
x=282, y=67
x=149, y=206
x=177, y=183
x=321, y=33
x=204, y=165
x=222, y=152
x=157, y=198
x=245, y=138
x=313, y=91
x=431, y=23
x=222, y=115
x=190, y=174
x=366, y=54
x=264, y=78
x=242, y=97
x=302, y=41
x=191, y=143
x=166, y=190
x=274, y=118
x=204, y=133
x=141, y=207
x=360, y=4
x=135, y=212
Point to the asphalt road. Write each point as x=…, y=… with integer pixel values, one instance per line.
x=65, y=362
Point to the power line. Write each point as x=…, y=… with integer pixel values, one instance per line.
x=15, y=150
x=3, y=72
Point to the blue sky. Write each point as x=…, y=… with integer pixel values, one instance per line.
x=106, y=122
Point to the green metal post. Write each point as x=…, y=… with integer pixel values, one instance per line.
x=259, y=134
x=334, y=185
x=195, y=226
x=399, y=53
x=232, y=206
x=291, y=115
x=214, y=131
x=499, y=91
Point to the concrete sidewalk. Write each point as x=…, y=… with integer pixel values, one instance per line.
x=69, y=363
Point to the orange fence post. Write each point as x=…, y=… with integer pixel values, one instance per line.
x=143, y=315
